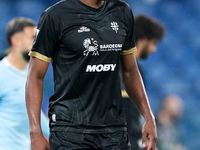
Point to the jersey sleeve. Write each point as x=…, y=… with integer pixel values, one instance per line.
x=46, y=39
x=130, y=45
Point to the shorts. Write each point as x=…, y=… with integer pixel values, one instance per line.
x=83, y=141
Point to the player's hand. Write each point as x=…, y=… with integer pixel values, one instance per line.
x=39, y=142
x=149, y=134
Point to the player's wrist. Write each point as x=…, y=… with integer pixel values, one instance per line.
x=36, y=132
x=149, y=117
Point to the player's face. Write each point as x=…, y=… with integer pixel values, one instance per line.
x=174, y=108
x=150, y=46
x=26, y=41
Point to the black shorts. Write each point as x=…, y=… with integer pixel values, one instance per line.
x=81, y=141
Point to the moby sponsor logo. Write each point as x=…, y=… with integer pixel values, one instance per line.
x=100, y=68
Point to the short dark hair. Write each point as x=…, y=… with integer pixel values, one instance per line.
x=17, y=25
x=147, y=27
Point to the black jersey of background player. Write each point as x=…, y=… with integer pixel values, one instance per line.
x=85, y=45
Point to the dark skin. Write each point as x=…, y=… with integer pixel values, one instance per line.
x=93, y=3
x=132, y=81
x=34, y=95
x=135, y=89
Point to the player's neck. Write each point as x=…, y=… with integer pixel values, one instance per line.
x=93, y=3
x=17, y=60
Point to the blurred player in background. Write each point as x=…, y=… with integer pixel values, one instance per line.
x=166, y=119
x=148, y=32
x=14, y=125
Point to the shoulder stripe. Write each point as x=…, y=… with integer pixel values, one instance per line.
x=39, y=56
x=124, y=94
x=130, y=51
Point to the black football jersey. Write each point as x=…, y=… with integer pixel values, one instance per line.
x=85, y=46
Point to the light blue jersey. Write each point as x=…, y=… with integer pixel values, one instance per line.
x=14, y=125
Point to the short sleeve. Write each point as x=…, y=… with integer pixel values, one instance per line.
x=129, y=45
x=46, y=39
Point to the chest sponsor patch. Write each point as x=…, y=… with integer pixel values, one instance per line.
x=100, y=68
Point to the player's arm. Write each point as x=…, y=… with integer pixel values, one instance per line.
x=136, y=91
x=34, y=95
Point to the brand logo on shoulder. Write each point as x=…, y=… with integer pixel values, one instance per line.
x=100, y=68
x=83, y=29
x=91, y=46
x=114, y=26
